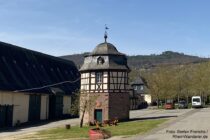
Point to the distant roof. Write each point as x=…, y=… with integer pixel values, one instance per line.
x=23, y=69
x=137, y=81
x=105, y=49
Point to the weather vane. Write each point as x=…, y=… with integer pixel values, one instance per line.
x=105, y=34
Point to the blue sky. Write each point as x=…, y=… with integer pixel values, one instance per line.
x=62, y=27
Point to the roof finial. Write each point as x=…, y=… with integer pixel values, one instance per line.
x=105, y=34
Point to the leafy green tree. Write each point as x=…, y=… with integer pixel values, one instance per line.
x=201, y=80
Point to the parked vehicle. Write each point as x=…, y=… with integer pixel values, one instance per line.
x=182, y=104
x=169, y=104
x=197, y=102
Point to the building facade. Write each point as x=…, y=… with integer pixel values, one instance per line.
x=138, y=96
x=24, y=96
x=104, y=83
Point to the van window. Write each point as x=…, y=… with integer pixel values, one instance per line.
x=196, y=100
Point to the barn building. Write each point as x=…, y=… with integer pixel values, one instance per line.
x=24, y=96
x=104, y=82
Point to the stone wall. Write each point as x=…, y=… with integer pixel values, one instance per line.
x=119, y=106
x=95, y=101
x=113, y=105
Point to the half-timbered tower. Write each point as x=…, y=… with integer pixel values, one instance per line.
x=104, y=80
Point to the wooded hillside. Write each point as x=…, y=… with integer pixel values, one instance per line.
x=148, y=61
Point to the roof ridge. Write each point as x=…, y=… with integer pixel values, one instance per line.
x=36, y=52
x=22, y=68
x=105, y=48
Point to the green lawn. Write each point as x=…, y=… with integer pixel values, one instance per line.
x=124, y=128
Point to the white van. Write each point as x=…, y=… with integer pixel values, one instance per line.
x=196, y=101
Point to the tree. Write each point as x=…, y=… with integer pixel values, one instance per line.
x=181, y=80
x=87, y=104
x=153, y=86
x=158, y=83
x=82, y=102
x=201, y=80
x=133, y=74
x=187, y=83
x=178, y=81
x=74, y=110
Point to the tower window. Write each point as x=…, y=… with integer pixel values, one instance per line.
x=99, y=77
x=100, y=61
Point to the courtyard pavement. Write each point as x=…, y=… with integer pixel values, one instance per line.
x=13, y=134
x=193, y=124
x=179, y=117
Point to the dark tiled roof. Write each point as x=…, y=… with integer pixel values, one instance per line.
x=111, y=63
x=112, y=59
x=23, y=69
x=105, y=49
x=137, y=81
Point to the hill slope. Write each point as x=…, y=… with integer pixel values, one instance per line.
x=148, y=61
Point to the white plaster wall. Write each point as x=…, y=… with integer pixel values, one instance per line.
x=111, y=86
x=82, y=87
x=92, y=74
x=105, y=86
x=105, y=74
x=105, y=80
x=21, y=105
x=114, y=74
x=21, y=108
x=148, y=98
x=82, y=82
x=92, y=87
x=66, y=104
x=120, y=74
x=122, y=86
x=86, y=87
x=82, y=75
x=20, y=102
x=7, y=99
x=122, y=80
x=44, y=107
x=93, y=80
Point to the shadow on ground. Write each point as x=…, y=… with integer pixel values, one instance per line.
x=30, y=125
x=23, y=126
x=152, y=118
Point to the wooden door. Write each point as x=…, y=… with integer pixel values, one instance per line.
x=6, y=115
x=98, y=115
x=56, y=107
x=34, y=108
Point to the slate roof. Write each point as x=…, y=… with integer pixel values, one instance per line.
x=21, y=68
x=105, y=49
x=137, y=81
x=113, y=60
